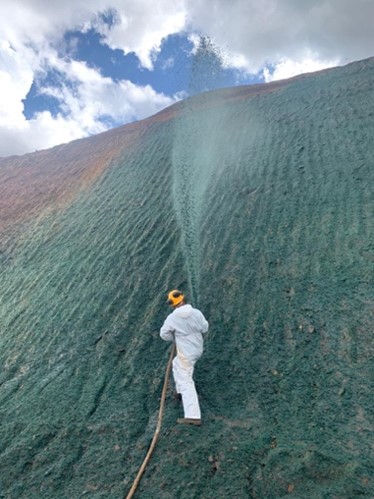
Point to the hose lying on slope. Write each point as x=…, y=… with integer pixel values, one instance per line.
x=158, y=427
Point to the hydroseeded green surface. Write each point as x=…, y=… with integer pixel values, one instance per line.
x=262, y=209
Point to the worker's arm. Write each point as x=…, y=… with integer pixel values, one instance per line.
x=204, y=324
x=167, y=332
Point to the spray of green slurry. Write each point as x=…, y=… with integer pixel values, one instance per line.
x=187, y=203
x=200, y=159
x=195, y=155
x=195, y=158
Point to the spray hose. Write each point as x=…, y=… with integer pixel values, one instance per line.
x=158, y=427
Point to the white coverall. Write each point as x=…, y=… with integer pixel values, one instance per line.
x=186, y=325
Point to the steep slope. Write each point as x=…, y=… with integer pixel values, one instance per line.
x=259, y=202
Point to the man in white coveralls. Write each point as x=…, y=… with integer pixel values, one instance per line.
x=186, y=326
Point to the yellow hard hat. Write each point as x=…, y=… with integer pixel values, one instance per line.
x=175, y=297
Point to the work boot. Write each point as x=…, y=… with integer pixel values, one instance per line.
x=193, y=421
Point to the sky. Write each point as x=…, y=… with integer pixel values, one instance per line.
x=70, y=69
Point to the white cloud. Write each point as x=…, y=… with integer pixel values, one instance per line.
x=286, y=68
x=89, y=95
x=29, y=29
x=41, y=132
x=143, y=24
x=287, y=35
x=86, y=102
x=16, y=77
x=254, y=34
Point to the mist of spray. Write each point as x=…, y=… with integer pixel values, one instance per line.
x=194, y=156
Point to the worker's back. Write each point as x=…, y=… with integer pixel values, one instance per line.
x=188, y=325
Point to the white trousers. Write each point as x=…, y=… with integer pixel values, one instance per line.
x=184, y=384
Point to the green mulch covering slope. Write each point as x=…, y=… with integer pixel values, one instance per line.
x=262, y=209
